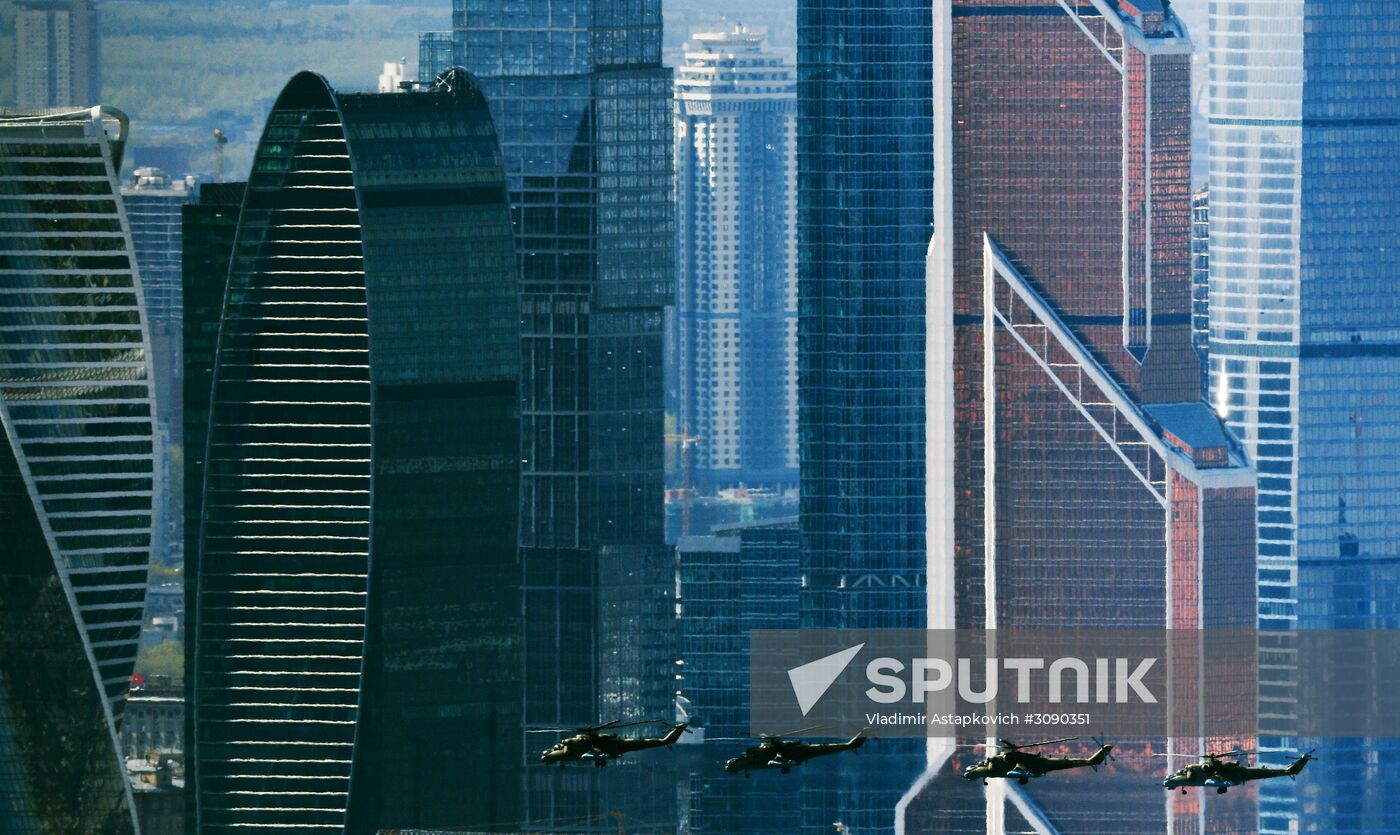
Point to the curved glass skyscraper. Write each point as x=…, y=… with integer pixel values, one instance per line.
x=357, y=599
x=76, y=464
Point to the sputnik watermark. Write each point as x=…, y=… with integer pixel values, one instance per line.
x=1063, y=679
x=935, y=675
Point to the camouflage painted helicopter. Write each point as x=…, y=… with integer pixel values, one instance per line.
x=1214, y=771
x=1015, y=762
x=592, y=745
x=780, y=752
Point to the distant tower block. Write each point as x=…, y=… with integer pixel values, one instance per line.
x=735, y=342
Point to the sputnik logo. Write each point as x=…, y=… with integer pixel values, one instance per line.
x=811, y=680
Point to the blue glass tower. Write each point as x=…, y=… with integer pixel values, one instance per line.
x=1305, y=341
x=865, y=206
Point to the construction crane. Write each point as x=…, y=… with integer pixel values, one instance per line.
x=685, y=442
x=219, y=142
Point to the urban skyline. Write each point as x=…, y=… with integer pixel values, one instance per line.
x=508, y=402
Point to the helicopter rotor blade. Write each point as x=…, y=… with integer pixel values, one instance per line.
x=798, y=732
x=1038, y=744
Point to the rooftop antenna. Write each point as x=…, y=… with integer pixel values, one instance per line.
x=219, y=142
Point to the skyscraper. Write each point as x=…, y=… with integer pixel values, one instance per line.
x=1304, y=354
x=1089, y=484
x=208, y=229
x=76, y=468
x=355, y=612
x=735, y=339
x=434, y=55
x=58, y=54
x=583, y=107
x=153, y=203
x=739, y=579
x=864, y=208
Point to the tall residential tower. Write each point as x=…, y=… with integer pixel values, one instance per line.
x=734, y=344
x=58, y=54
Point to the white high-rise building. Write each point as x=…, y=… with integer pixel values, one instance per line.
x=734, y=344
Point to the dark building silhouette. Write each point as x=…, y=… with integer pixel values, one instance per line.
x=356, y=612
x=1086, y=483
x=583, y=108
x=208, y=228
x=864, y=207
x=738, y=579
x=76, y=472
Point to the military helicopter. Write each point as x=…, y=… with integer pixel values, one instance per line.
x=1214, y=770
x=777, y=751
x=591, y=744
x=1014, y=761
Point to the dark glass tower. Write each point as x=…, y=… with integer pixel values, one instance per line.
x=583, y=107
x=737, y=580
x=76, y=473
x=208, y=228
x=864, y=214
x=356, y=606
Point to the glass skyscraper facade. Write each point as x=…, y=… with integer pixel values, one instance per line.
x=864, y=213
x=434, y=55
x=1090, y=486
x=355, y=612
x=735, y=339
x=77, y=465
x=737, y=580
x=583, y=108
x=208, y=229
x=153, y=203
x=1305, y=343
